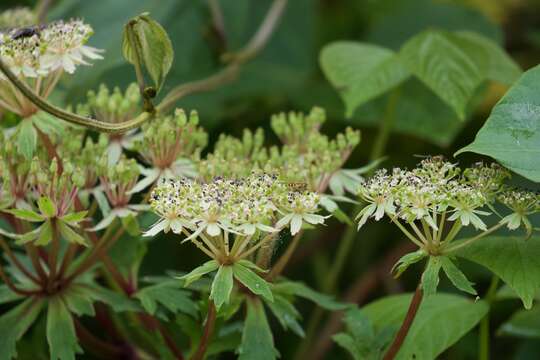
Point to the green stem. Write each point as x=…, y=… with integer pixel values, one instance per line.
x=284, y=259
x=68, y=116
x=473, y=239
x=53, y=257
x=483, y=349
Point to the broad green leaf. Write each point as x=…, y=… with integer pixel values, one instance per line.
x=169, y=295
x=27, y=215
x=45, y=234
x=153, y=46
x=46, y=206
x=456, y=276
x=444, y=67
x=222, y=286
x=286, y=314
x=27, y=139
x=252, y=281
x=407, y=260
x=430, y=277
x=71, y=235
x=197, y=273
x=350, y=344
x=515, y=260
x=523, y=323
x=361, y=72
x=61, y=331
x=257, y=339
x=29, y=236
x=494, y=62
x=14, y=324
x=511, y=134
x=440, y=322
x=296, y=288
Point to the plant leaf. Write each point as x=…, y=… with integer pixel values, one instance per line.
x=286, y=314
x=440, y=322
x=14, y=324
x=252, y=281
x=511, y=134
x=407, y=260
x=444, y=67
x=45, y=234
x=257, y=340
x=361, y=72
x=514, y=259
x=169, y=295
x=430, y=277
x=46, y=206
x=523, y=323
x=61, y=331
x=198, y=272
x=153, y=45
x=456, y=276
x=27, y=215
x=27, y=139
x=296, y=288
x=71, y=235
x=222, y=286
x=79, y=300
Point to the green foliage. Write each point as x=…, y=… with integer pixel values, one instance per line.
x=510, y=134
x=222, y=286
x=252, y=281
x=456, y=276
x=151, y=47
x=168, y=294
x=299, y=289
x=257, y=339
x=61, y=331
x=430, y=277
x=523, y=323
x=441, y=321
x=27, y=139
x=360, y=339
x=14, y=323
x=514, y=259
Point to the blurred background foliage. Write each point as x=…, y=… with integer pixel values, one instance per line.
x=287, y=76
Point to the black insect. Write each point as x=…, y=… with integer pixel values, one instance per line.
x=26, y=32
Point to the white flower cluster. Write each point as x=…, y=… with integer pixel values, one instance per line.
x=37, y=51
x=259, y=202
x=433, y=188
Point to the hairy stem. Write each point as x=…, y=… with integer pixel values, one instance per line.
x=207, y=333
x=405, y=326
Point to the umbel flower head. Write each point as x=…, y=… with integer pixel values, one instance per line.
x=252, y=208
x=39, y=55
x=17, y=17
x=438, y=192
x=114, y=107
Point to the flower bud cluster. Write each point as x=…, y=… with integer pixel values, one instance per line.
x=112, y=106
x=118, y=180
x=58, y=182
x=306, y=155
x=168, y=139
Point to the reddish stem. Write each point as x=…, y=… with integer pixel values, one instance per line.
x=406, y=325
x=208, y=330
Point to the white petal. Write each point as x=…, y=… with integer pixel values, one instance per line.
x=177, y=226
x=114, y=151
x=284, y=221
x=266, y=228
x=248, y=229
x=213, y=229
x=314, y=219
x=150, y=178
x=296, y=224
x=106, y=221
x=156, y=229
